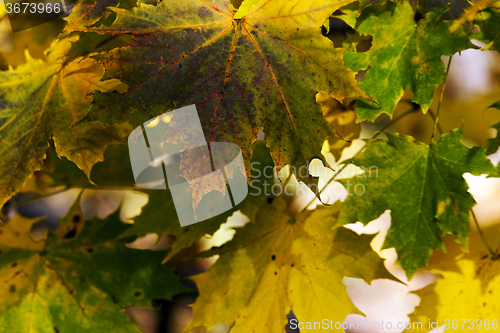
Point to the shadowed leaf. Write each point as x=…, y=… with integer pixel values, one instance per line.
x=79, y=279
x=423, y=187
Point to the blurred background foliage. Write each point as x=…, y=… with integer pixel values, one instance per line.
x=473, y=85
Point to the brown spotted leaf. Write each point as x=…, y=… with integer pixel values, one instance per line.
x=257, y=69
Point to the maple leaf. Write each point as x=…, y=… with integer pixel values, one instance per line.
x=78, y=279
x=41, y=100
x=423, y=187
x=93, y=13
x=465, y=296
x=257, y=69
x=410, y=56
x=278, y=263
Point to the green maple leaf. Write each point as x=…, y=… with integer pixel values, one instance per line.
x=423, y=187
x=41, y=100
x=79, y=279
x=278, y=263
x=257, y=69
x=408, y=56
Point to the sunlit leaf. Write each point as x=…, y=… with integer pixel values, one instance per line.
x=278, y=263
x=466, y=293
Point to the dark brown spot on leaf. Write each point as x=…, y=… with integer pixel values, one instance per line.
x=70, y=234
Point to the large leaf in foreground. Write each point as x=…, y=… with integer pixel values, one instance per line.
x=423, y=187
x=409, y=56
x=40, y=100
x=79, y=279
x=278, y=263
x=257, y=70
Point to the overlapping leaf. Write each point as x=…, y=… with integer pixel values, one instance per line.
x=159, y=215
x=278, y=263
x=465, y=297
x=114, y=172
x=244, y=72
x=343, y=120
x=403, y=54
x=40, y=100
x=79, y=279
x=423, y=187
x=487, y=28
x=471, y=13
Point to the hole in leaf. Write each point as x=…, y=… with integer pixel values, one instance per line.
x=270, y=200
x=138, y=293
x=12, y=289
x=14, y=264
x=76, y=219
x=273, y=257
x=90, y=250
x=70, y=234
x=418, y=16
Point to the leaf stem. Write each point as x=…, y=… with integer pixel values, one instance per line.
x=433, y=116
x=376, y=135
x=494, y=255
x=436, y=120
